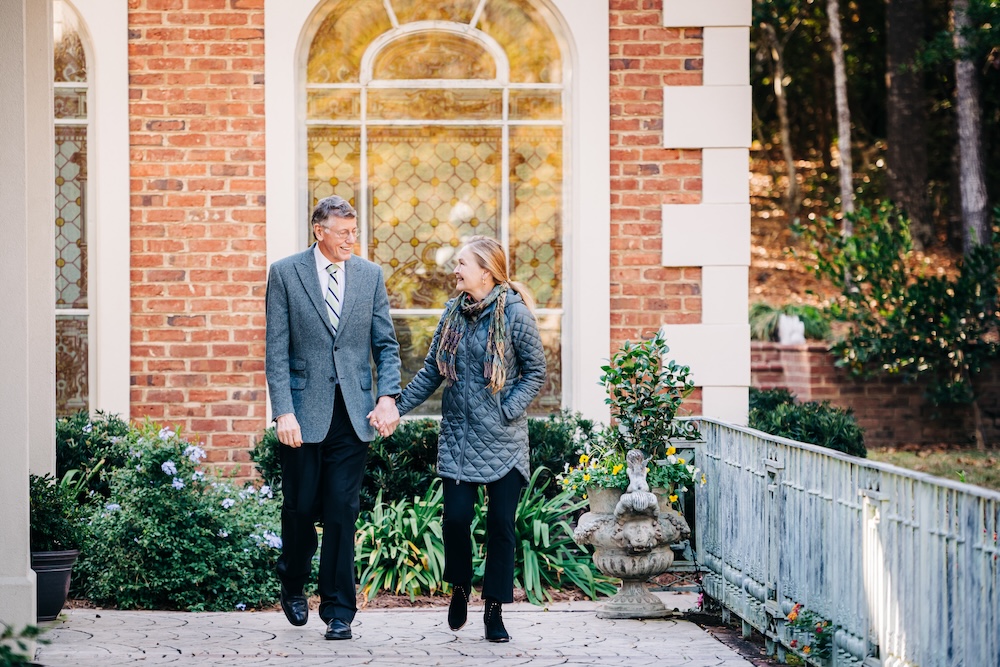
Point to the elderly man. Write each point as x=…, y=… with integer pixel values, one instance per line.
x=327, y=318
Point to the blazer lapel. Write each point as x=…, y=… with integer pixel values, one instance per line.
x=306, y=269
x=352, y=271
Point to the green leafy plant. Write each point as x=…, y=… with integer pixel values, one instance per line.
x=776, y=412
x=944, y=330
x=546, y=557
x=266, y=455
x=87, y=444
x=555, y=439
x=645, y=392
x=15, y=645
x=403, y=465
x=764, y=320
x=56, y=516
x=812, y=634
x=399, y=547
x=173, y=537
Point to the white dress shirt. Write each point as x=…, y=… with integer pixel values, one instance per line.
x=324, y=278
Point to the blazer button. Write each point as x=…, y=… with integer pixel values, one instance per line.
x=333, y=379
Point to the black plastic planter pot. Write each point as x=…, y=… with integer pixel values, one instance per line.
x=52, y=572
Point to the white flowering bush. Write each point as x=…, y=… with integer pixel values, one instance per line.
x=171, y=536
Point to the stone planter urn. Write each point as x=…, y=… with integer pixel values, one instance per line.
x=631, y=536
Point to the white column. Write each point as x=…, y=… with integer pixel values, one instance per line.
x=40, y=174
x=26, y=142
x=714, y=234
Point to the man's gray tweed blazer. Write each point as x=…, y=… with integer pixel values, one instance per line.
x=303, y=357
x=484, y=436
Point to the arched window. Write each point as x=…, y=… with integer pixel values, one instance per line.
x=72, y=306
x=439, y=121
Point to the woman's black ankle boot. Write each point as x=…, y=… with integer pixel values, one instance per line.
x=495, y=632
x=458, y=610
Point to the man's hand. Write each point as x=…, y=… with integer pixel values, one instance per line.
x=288, y=430
x=385, y=416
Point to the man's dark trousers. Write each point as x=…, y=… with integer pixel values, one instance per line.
x=322, y=481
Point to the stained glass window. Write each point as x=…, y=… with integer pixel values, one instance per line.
x=72, y=306
x=437, y=121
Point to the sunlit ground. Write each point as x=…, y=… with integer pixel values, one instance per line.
x=980, y=468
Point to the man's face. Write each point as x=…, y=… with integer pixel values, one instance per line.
x=336, y=237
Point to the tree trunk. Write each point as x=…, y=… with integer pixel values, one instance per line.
x=975, y=219
x=843, y=115
x=778, y=75
x=907, y=117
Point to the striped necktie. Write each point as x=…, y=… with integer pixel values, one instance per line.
x=333, y=297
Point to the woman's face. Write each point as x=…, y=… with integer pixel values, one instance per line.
x=470, y=275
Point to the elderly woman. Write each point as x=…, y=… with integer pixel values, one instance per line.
x=488, y=352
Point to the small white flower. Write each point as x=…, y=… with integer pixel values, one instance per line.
x=112, y=507
x=195, y=453
x=223, y=533
x=88, y=428
x=227, y=503
x=241, y=607
x=198, y=475
x=166, y=433
x=266, y=491
x=273, y=541
x=169, y=468
x=115, y=439
x=136, y=454
x=178, y=483
x=138, y=468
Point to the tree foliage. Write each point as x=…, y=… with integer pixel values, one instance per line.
x=904, y=321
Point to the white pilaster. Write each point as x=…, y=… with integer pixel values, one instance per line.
x=714, y=234
x=105, y=29
x=20, y=139
x=704, y=13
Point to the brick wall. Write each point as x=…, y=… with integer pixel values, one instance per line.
x=197, y=230
x=891, y=412
x=645, y=56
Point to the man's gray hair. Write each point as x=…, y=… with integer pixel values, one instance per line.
x=334, y=206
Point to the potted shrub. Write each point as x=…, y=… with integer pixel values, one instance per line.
x=630, y=526
x=645, y=391
x=57, y=532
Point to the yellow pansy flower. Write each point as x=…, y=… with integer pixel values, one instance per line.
x=681, y=461
x=671, y=450
x=583, y=459
x=586, y=478
x=673, y=497
x=617, y=469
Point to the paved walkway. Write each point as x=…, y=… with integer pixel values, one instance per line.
x=563, y=634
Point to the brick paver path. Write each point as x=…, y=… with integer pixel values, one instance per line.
x=564, y=634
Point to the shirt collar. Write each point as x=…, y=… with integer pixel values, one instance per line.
x=322, y=262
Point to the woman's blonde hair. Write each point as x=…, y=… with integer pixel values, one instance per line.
x=491, y=257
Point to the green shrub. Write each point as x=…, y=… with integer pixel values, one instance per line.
x=403, y=465
x=768, y=399
x=87, y=445
x=553, y=440
x=400, y=547
x=266, y=457
x=172, y=537
x=56, y=516
x=816, y=423
x=545, y=555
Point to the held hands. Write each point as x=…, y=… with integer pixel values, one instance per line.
x=288, y=430
x=385, y=416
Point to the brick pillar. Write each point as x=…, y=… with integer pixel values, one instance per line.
x=645, y=56
x=198, y=267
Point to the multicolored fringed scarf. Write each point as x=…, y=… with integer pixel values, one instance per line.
x=457, y=319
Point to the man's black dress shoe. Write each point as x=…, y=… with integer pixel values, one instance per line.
x=296, y=607
x=338, y=629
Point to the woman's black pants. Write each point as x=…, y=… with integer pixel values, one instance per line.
x=459, y=510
